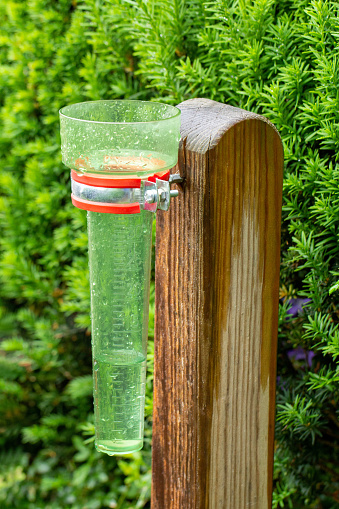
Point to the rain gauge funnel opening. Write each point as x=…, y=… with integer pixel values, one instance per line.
x=120, y=153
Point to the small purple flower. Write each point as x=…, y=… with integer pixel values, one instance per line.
x=299, y=355
x=297, y=306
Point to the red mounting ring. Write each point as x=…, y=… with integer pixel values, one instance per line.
x=96, y=180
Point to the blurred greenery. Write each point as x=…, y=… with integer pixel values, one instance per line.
x=275, y=57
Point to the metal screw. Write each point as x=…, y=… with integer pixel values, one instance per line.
x=175, y=179
x=174, y=193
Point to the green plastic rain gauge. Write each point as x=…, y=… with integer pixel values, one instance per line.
x=120, y=154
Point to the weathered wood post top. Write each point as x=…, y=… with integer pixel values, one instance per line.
x=217, y=281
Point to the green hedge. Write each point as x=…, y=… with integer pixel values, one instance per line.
x=276, y=57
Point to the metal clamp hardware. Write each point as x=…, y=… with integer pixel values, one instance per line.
x=176, y=179
x=150, y=196
x=161, y=195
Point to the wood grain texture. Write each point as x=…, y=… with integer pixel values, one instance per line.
x=217, y=281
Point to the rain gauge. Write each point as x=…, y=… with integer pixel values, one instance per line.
x=120, y=154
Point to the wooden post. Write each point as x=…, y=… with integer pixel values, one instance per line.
x=217, y=281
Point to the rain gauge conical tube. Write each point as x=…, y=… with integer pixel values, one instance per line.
x=120, y=154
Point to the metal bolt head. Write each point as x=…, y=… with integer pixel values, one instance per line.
x=163, y=188
x=163, y=195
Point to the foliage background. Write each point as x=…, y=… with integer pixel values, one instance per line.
x=275, y=57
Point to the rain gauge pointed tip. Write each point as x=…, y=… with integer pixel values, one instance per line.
x=120, y=153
